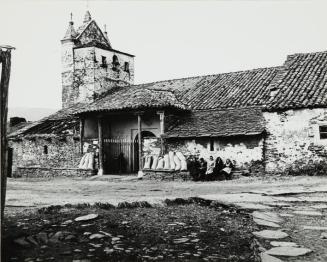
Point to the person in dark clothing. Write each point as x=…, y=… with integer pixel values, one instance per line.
x=218, y=168
x=202, y=169
x=227, y=170
x=193, y=167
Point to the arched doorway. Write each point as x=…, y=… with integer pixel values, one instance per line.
x=144, y=135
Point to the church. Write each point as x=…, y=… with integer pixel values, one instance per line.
x=266, y=119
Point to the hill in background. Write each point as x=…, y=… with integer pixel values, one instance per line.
x=30, y=113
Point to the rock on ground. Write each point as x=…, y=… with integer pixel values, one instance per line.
x=308, y=213
x=283, y=244
x=268, y=216
x=270, y=234
x=262, y=222
x=96, y=236
x=288, y=251
x=314, y=228
x=267, y=258
x=87, y=217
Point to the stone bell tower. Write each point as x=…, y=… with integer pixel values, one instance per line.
x=90, y=66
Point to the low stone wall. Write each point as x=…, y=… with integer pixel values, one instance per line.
x=34, y=172
x=167, y=175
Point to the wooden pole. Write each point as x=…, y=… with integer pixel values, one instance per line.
x=100, y=142
x=81, y=133
x=162, y=121
x=162, y=129
x=5, y=60
x=139, y=128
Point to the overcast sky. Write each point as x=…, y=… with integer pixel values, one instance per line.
x=169, y=39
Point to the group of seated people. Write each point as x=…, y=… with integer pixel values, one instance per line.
x=210, y=170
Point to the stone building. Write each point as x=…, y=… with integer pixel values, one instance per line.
x=271, y=118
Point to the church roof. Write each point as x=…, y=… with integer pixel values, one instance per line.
x=59, y=123
x=229, y=90
x=134, y=98
x=216, y=123
x=300, y=83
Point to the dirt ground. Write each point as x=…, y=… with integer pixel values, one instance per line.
x=114, y=189
x=282, y=195
x=173, y=233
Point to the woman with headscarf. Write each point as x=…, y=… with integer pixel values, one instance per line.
x=228, y=169
x=219, y=165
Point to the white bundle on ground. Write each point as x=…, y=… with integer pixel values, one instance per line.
x=183, y=161
x=160, y=163
x=81, y=163
x=147, y=162
x=171, y=160
x=180, y=156
x=87, y=161
x=166, y=160
x=177, y=163
x=155, y=162
x=90, y=162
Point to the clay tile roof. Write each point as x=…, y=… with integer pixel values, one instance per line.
x=57, y=123
x=229, y=90
x=218, y=123
x=300, y=83
x=134, y=98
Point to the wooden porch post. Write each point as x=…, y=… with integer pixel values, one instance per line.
x=139, y=127
x=81, y=133
x=162, y=121
x=100, y=140
x=162, y=128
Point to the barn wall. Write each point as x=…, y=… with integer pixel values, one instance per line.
x=243, y=150
x=60, y=153
x=294, y=139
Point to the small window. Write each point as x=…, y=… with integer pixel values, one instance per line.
x=126, y=67
x=323, y=132
x=103, y=61
x=45, y=150
x=212, y=145
x=115, y=63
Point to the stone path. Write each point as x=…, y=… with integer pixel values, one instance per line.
x=292, y=224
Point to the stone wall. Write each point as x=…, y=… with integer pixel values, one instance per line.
x=50, y=152
x=242, y=150
x=294, y=139
x=164, y=175
x=37, y=172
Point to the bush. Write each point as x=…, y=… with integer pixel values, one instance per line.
x=105, y=206
x=309, y=169
x=50, y=209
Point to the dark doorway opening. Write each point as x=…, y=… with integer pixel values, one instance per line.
x=144, y=135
